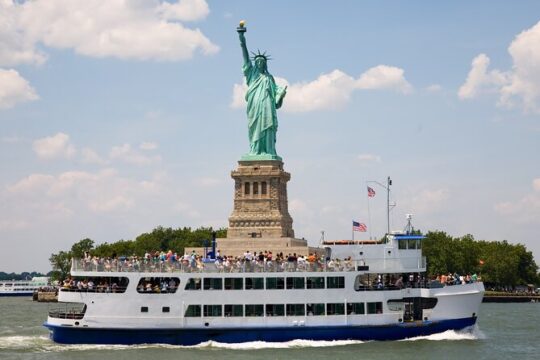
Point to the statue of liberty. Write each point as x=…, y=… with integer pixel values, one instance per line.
x=263, y=98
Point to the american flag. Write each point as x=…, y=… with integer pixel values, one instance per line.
x=357, y=226
x=370, y=192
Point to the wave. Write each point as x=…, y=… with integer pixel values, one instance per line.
x=470, y=333
x=42, y=343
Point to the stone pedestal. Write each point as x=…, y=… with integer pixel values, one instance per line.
x=260, y=220
x=261, y=208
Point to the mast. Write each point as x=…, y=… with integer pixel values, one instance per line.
x=388, y=183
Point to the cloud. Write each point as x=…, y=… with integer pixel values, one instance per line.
x=524, y=85
x=208, y=181
x=524, y=210
x=434, y=88
x=53, y=147
x=14, y=89
x=148, y=146
x=369, y=158
x=129, y=155
x=480, y=80
x=428, y=200
x=139, y=30
x=332, y=90
x=186, y=10
x=517, y=87
x=89, y=156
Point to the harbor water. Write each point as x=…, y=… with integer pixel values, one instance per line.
x=503, y=331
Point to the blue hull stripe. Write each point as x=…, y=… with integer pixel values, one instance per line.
x=78, y=335
x=16, y=294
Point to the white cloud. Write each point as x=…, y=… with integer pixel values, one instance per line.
x=480, y=80
x=129, y=155
x=52, y=147
x=89, y=156
x=148, y=146
x=434, y=88
x=102, y=28
x=369, y=158
x=332, y=90
x=517, y=87
x=384, y=77
x=524, y=210
x=14, y=89
x=428, y=201
x=524, y=85
x=185, y=10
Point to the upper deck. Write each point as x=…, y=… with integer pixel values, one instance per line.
x=136, y=265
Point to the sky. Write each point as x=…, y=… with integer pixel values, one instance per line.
x=120, y=116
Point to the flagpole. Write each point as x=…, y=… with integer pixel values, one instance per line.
x=353, y=231
x=369, y=216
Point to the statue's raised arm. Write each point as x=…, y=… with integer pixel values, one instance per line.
x=263, y=97
x=241, y=34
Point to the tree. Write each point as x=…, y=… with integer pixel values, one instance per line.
x=61, y=264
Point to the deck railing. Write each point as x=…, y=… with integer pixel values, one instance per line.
x=409, y=264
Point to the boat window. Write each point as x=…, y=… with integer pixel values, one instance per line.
x=105, y=284
x=395, y=305
x=273, y=283
x=144, y=309
x=162, y=285
x=234, y=283
x=335, y=282
x=296, y=283
x=213, y=283
x=402, y=244
x=355, y=308
x=166, y=309
x=296, y=310
x=254, y=283
x=254, y=310
x=315, y=282
x=335, y=309
x=275, y=310
x=374, y=307
x=411, y=244
x=234, y=310
x=193, y=284
x=425, y=303
x=418, y=244
x=315, y=309
x=364, y=282
x=193, y=311
x=212, y=310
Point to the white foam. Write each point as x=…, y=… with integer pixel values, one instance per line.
x=470, y=333
x=254, y=345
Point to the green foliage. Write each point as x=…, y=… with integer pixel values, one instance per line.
x=22, y=276
x=160, y=239
x=498, y=262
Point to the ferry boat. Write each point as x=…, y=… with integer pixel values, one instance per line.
x=359, y=290
x=22, y=287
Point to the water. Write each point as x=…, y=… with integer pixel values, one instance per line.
x=503, y=331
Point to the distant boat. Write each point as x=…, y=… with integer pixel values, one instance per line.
x=22, y=287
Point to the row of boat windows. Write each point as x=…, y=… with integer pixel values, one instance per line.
x=268, y=283
x=411, y=244
x=259, y=310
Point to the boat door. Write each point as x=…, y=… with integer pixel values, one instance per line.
x=413, y=310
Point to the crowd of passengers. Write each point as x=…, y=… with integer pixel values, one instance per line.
x=249, y=262
x=105, y=285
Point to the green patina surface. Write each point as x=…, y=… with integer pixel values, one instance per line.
x=263, y=98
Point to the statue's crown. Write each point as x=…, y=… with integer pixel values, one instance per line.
x=258, y=55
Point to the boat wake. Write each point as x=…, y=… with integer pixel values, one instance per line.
x=470, y=333
x=42, y=343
